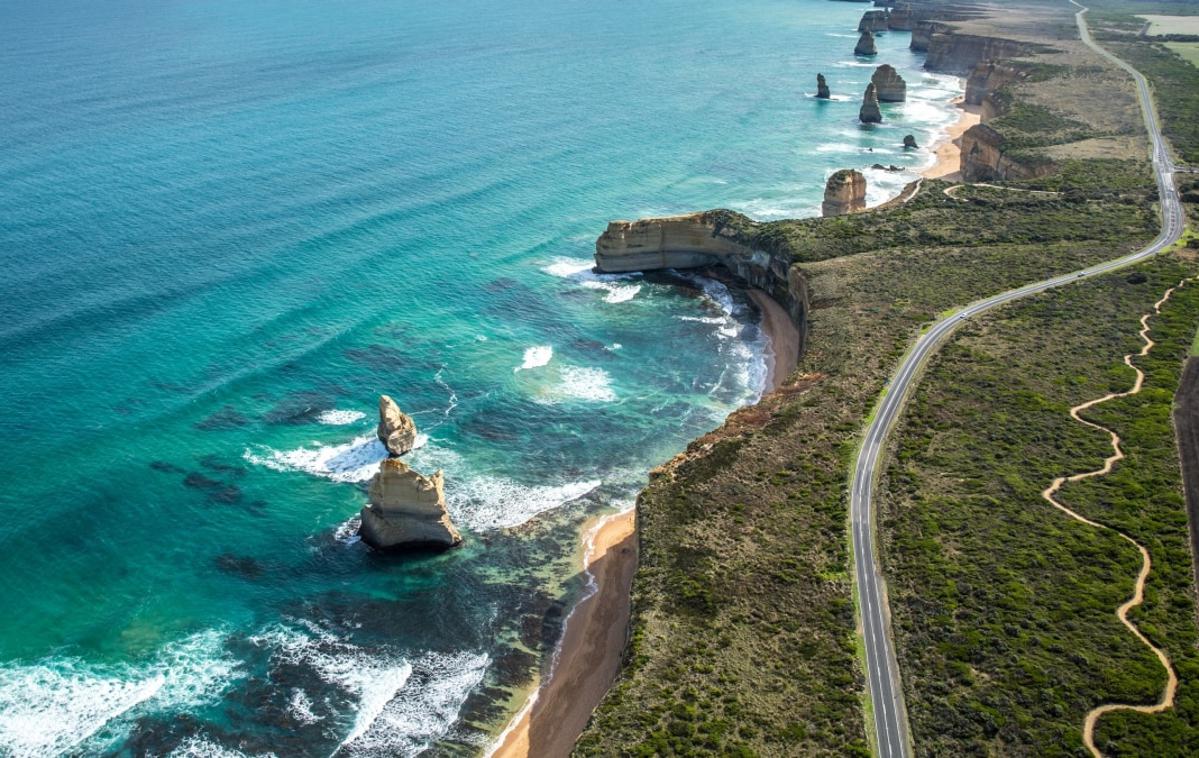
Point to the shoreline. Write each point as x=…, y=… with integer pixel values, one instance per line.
x=589, y=654
x=947, y=151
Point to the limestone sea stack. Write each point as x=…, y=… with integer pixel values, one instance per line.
x=889, y=85
x=822, y=87
x=865, y=45
x=870, y=112
x=909, y=142
x=844, y=193
x=396, y=430
x=405, y=509
x=900, y=18
x=873, y=21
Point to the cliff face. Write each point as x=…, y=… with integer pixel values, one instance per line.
x=960, y=53
x=844, y=193
x=922, y=33
x=984, y=80
x=901, y=18
x=985, y=158
x=699, y=240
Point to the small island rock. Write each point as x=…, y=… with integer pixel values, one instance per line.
x=870, y=112
x=909, y=142
x=407, y=510
x=822, y=87
x=865, y=45
x=397, y=430
x=844, y=193
x=889, y=84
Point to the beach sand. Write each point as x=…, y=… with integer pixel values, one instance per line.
x=590, y=652
x=949, y=149
x=784, y=339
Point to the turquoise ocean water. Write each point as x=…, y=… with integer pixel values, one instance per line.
x=226, y=227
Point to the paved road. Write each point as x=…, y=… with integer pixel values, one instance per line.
x=882, y=670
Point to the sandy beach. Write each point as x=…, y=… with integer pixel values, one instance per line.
x=590, y=651
x=949, y=149
x=784, y=339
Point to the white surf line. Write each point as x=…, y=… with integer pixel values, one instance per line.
x=1138, y=595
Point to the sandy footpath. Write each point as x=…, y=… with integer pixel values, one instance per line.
x=590, y=651
x=949, y=149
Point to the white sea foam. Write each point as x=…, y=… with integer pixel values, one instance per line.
x=403, y=703
x=488, y=502
x=535, y=357
x=340, y=418
x=198, y=747
x=55, y=705
x=353, y=461
x=591, y=385
x=582, y=273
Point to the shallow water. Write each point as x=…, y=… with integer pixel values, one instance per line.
x=226, y=227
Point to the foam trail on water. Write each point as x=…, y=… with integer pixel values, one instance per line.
x=339, y=418
x=56, y=705
x=582, y=273
x=487, y=502
x=354, y=461
x=590, y=385
x=535, y=357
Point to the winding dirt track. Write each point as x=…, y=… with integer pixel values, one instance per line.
x=1138, y=595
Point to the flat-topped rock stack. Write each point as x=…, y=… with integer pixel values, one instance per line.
x=405, y=509
x=844, y=193
x=889, y=85
x=873, y=21
x=870, y=113
x=865, y=45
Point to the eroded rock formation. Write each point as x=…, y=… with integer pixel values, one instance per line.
x=865, y=45
x=960, y=53
x=909, y=142
x=922, y=33
x=889, y=85
x=901, y=18
x=870, y=113
x=844, y=193
x=985, y=158
x=717, y=238
x=822, y=87
x=396, y=430
x=985, y=79
x=873, y=21
x=405, y=509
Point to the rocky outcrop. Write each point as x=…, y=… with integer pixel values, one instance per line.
x=396, y=430
x=718, y=238
x=889, y=85
x=909, y=142
x=865, y=45
x=959, y=53
x=873, y=21
x=870, y=113
x=901, y=18
x=844, y=193
x=984, y=81
x=922, y=33
x=405, y=509
x=822, y=87
x=985, y=158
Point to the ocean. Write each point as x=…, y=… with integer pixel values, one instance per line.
x=227, y=227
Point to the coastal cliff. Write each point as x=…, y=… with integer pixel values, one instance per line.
x=953, y=53
x=718, y=238
x=984, y=81
x=985, y=157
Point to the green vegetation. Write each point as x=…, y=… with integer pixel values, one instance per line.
x=743, y=639
x=1188, y=51
x=1176, y=89
x=1003, y=607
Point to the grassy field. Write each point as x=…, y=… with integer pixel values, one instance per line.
x=1003, y=607
x=1188, y=51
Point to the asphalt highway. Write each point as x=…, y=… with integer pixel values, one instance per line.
x=882, y=670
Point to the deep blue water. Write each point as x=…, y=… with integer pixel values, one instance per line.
x=227, y=227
